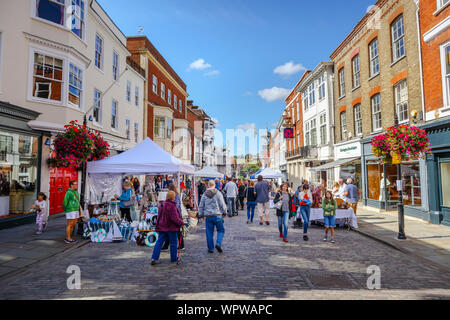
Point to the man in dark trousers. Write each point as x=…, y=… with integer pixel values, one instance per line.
x=242, y=189
x=201, y=190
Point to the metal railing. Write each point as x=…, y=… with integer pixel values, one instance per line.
x=308, y=152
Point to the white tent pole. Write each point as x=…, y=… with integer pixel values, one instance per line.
x=179, y=183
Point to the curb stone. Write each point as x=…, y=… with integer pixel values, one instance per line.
x=399, y=248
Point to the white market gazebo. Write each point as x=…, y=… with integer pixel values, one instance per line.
x=270, y=174
x=209, y=172
x=147, y=158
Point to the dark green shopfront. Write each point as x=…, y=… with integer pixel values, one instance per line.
x=438, y=167
x=427, y=182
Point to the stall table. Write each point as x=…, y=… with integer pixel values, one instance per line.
x=127, y=232
x=341, y=214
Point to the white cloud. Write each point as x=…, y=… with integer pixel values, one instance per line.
x=274, y=94
x=212, y=73
x=289, y=69
x=199, y=64
x=247, y=126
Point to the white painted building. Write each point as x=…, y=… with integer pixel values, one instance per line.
x=278, y=149
x=318, y=121
x=56, y=59
x=118, y=114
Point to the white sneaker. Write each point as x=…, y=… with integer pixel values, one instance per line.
x=325, y=239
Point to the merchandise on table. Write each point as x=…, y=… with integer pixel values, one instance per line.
x=317, y=215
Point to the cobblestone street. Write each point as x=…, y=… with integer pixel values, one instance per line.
x=256, y=265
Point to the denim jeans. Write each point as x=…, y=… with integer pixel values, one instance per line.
x=211, y=223
x=251, y=206
x=231, y=206
x=306, y=214
x=167, y=242
x=162, y=236
x=284, y=220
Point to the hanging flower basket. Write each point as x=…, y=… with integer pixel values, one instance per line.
x=101, y=147
x=77, y=145
x=403, y=143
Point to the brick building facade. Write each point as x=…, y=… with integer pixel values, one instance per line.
x=377, y=76
x=434, y=20
x=165, y=96
x=294, y=117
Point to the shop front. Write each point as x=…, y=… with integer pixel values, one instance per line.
x=20, y=163
x=380, y=184
x=438, y=165
x=346, y=164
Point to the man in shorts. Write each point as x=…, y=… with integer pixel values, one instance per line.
x=262, y=189
x=71, y=206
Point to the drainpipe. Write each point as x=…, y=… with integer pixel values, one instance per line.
x=419, y=38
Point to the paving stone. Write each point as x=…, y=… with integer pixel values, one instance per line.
x=19, y=263
x=263, y=269
x=6, y=257
x=5, y=270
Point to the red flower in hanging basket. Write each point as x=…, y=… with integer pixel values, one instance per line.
x=77, y=146
x=407, y=142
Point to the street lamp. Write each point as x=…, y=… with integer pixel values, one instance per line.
x=401, y=210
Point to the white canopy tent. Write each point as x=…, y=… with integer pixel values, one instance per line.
x=268, y=173
x=146, y=158
x=209, y=172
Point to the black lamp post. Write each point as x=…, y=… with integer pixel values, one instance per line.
x=401, y=210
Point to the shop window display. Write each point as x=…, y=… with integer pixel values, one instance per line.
x=375, y=180
x=391, y=184
x=18, y=173
x=445, y=178
x=412, y=195
x=352, y=170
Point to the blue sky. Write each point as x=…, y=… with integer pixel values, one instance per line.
x=227, y=51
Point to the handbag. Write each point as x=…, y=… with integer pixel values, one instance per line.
x=131, y=202
x=277, y=205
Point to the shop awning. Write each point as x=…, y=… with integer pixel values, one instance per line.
x=334, y=164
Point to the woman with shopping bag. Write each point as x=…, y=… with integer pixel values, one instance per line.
x=305, y=209
x=167, y=226
x=283, y=204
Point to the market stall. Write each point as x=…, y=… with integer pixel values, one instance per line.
x=105, y=180
x=270, y=174
x=346, y=215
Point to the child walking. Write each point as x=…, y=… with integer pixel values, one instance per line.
x=329, y=207
x=40, y=205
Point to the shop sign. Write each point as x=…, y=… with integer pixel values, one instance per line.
x=352, y=150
